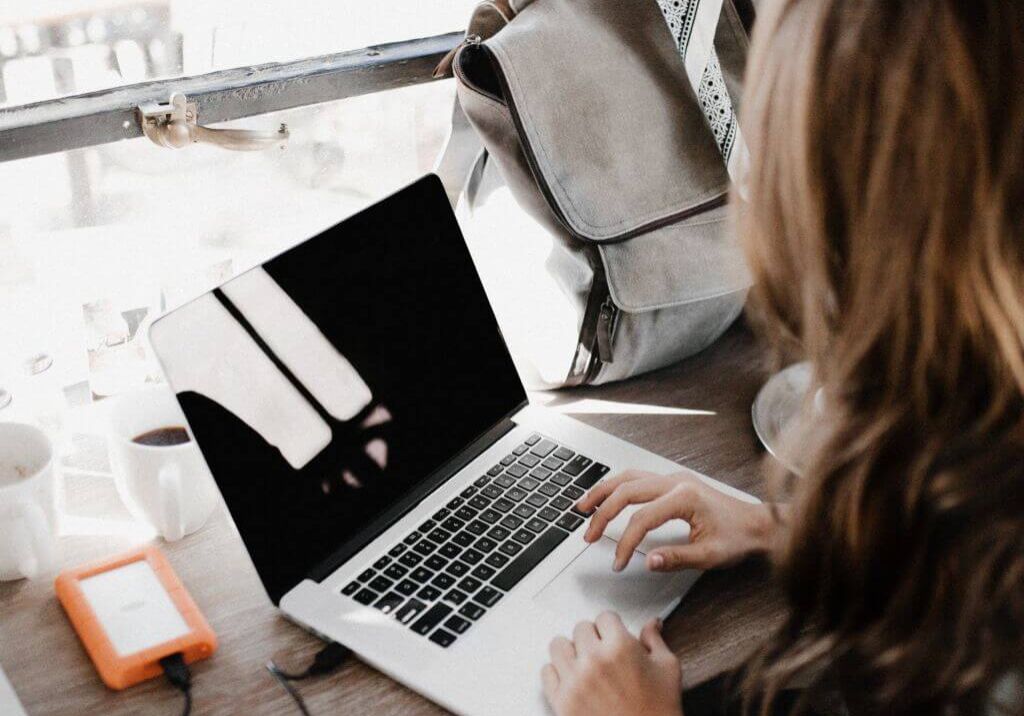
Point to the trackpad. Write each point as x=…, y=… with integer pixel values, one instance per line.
x=588, y=586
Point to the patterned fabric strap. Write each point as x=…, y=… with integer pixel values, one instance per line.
x=693, y=24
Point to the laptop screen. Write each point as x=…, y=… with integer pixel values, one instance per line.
x=325, y=386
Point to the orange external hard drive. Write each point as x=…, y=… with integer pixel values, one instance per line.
x=130, y=612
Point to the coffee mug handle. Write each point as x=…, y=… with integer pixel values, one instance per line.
x=37, y=557
x=171, y=507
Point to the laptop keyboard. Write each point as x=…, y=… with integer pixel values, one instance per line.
x=444, y=576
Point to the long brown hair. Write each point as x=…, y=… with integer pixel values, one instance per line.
x=884, y=225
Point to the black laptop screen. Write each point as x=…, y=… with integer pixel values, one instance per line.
x=325, y=387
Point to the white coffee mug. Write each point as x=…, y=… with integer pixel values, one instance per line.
x=165, y=485
x=28, y=508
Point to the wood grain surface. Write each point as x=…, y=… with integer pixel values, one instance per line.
x=725, y=616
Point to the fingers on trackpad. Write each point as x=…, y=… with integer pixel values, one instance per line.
x=673, y=532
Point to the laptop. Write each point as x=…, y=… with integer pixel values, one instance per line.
x=397, y=493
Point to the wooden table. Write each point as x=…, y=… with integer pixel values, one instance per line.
x=719, y=622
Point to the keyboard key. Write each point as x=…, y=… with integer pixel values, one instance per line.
x=553, y=463
x=511, y=548
x=465, y=513
x=350, y=589
x=516, y=471
x=498, y=534
x=529, y=461
x=442, y=580
x=543, y=448
x=410, y=559
x=439, y=535
x=365, y=596
x=410, y=611
x=524, y=511
x=511, y=522
x=524, y=536
x=435, y=562
x=427, y=526
x=496, y=470
x=455, y=503
x=536, y=525
x=508, y=460
x=497, y=560
x=471, y=556
x=424, y=547
x=429, y=593
x=421, y=575
x=561, y=503
x=515, y=494
x=482, y=571
x=570, y=521
x=458, y=624
x=453, y=524
x=488, y=596
x=412, y=537
x=590, y=478
x=520, y=450
x=441, y=514
x=533, y=439
x=577, y=465
x=548, y=514
x=380, y=584
x=477, y=527
x=395, y=571
x=456, y=597
x=479, y=502
x=407, y=587
x=540, y=473
x=528, y=483
x=561, y=479
x=573, y=492
x=450, y=550
x=524, y=563
x=564, y=453
x=490, y=516
x=472, y=610
x=397, y=550
x=457, y=569
x=442, y=637
x=431, y=619
x=537, y=500
x=485, y=545
x=468, y=492
x=481, y=481
x=504, y=481
x=389, y=602
x=577, y=511
x=464, y=539
x=492, y=491
x=503, y=505
x=366, y=576
x=548, y=489
x=470, y=584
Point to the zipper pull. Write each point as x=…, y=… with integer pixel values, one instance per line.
x=605, y=328
x=444, y=67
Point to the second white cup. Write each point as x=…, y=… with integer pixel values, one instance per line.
x=159, y=471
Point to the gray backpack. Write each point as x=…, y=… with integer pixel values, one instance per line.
x=590, y=125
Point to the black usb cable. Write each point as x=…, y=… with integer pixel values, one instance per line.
x=326, y=660
x=178, y=674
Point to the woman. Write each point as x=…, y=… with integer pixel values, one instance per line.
x=885, y=231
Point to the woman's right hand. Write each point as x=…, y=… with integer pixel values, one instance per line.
x=723, y=529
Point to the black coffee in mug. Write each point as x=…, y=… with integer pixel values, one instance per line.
x=163, y=437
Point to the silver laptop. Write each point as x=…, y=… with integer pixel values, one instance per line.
x=359, y=411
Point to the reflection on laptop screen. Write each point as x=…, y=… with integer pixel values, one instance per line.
x=326, y=385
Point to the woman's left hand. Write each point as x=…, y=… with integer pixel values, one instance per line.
x=606, y=670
